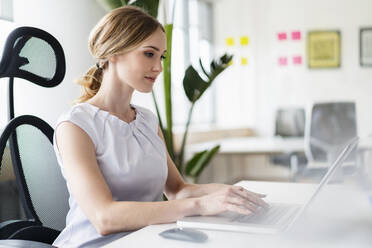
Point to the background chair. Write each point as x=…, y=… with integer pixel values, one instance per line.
x=290, y=123
x=36, y=56
x=329, y=127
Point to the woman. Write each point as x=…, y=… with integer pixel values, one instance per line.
x=113, y=154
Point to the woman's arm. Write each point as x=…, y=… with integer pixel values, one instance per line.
x=109, y=216
x=213, y=198
x=93, y=195
x=176, y=188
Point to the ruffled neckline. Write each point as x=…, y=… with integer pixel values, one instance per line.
x=116, y=119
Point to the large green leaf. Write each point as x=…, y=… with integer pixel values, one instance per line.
x=200, y=160
x=193, y=161
x=218, y=66
x=193, y=84
x=151, y=6
x=110, y=4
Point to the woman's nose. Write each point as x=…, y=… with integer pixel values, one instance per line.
x=158, y=66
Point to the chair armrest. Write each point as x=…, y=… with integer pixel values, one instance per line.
x=36, y=233
x=7, y=228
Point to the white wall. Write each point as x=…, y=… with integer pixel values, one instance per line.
x=273, y=86
x=70, y=22
x=247, y=96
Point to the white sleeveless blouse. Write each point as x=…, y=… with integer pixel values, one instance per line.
x=131, y=157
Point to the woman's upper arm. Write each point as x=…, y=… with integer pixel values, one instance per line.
x=81, y=169
x=174, y=181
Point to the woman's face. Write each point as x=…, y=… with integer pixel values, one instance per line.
x=140, y=67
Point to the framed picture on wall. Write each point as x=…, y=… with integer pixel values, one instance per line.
x=365, y=47
x=324, y=49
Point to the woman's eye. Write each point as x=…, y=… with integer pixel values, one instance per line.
x=149, y=54
x=163, y=57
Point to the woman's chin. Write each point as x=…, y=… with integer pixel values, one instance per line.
x=145, y=90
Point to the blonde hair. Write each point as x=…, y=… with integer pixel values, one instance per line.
x=120, y=31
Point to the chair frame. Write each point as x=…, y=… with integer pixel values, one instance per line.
x=8, y=64
x=10, y=228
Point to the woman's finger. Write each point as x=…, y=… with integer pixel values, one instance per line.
x=251, y=196
x=237, y=209
x=243, y=203
x=241, y=188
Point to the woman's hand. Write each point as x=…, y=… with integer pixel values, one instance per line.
x=231, y=198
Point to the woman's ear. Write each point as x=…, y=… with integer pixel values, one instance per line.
x=113, y=59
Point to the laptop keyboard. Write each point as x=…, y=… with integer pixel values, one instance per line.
x=276, y=214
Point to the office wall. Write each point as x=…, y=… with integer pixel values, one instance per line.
x=70, y=22
x=268, y=86
x=247, y=96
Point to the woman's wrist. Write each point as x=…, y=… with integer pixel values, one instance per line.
x=193, y=206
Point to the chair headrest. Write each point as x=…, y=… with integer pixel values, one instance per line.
x=35, y=55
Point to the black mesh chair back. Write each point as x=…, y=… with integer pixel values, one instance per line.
x=43, y=189
x=36, y=56
x=32, y=54
x=10, y=205
x=331, y=126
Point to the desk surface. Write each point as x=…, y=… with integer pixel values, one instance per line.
x=356, y=224
x=252, y=145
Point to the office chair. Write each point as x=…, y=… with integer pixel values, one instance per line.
x=42, y=188
x=36, y=56
x=32, y=54
x=331, y=125
x=289, y=123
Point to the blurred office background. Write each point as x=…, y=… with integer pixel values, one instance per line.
x=246, y=97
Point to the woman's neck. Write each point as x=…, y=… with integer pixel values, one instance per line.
x=114, y=97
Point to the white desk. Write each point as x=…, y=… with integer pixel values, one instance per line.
x=350, y=230
x=252, y=145
x=246, y=157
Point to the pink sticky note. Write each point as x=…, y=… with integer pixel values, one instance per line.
x=296, y=35
x=282, y=61
x=297, y=60
x=282, y=36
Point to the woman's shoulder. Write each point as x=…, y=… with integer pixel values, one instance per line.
x=82, y=115
x=79, y=112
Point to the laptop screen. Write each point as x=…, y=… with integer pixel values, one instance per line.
x=339, y=167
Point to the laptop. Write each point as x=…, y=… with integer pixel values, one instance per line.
x=278, y=218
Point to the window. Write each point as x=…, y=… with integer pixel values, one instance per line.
x=6, y=10
x=192, y=31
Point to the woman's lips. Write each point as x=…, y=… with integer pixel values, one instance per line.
x=152, y=79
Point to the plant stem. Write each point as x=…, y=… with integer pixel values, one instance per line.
x=168, y=91
x=157, y=112
x=182, y=151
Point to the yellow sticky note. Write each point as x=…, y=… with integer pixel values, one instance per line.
x=229, y=41
x=244, y=40
x=244, y=61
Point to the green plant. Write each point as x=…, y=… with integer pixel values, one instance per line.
x=194, y=86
